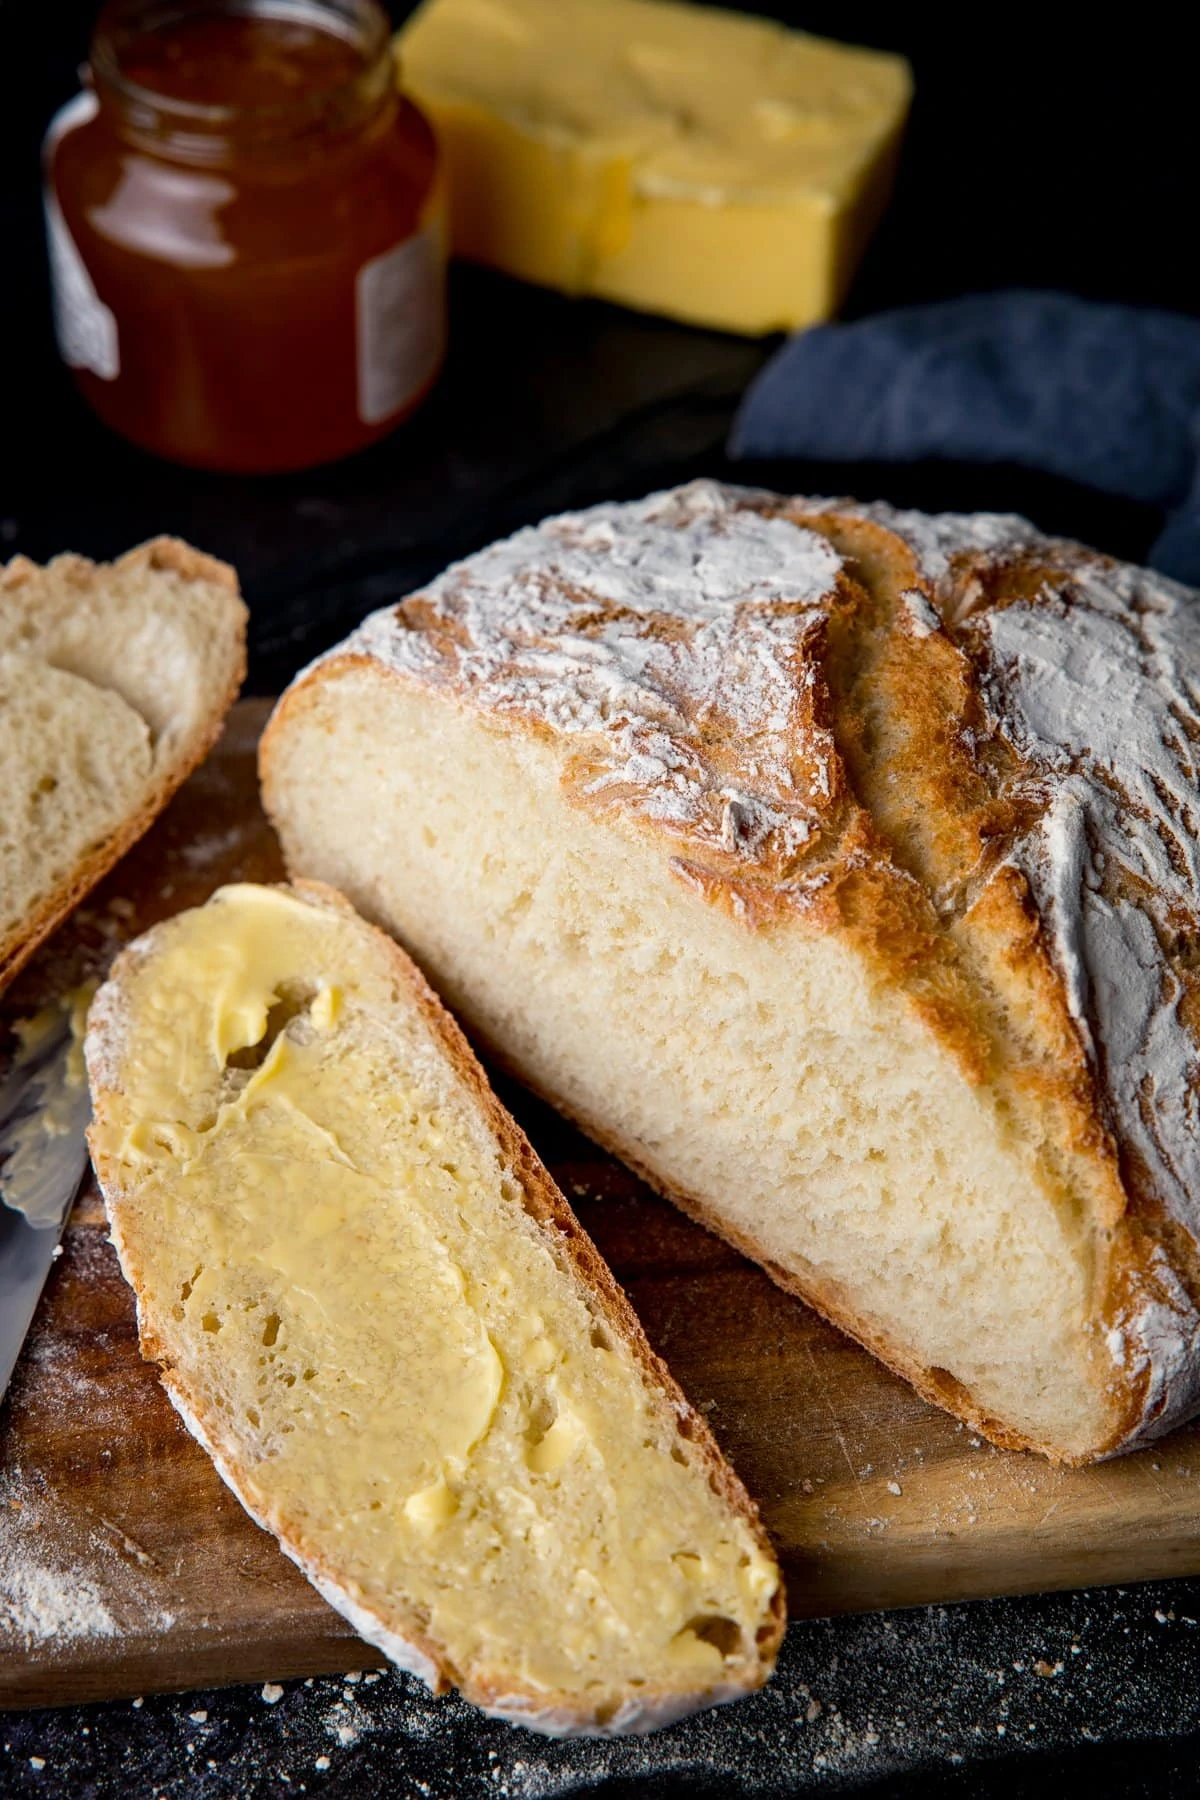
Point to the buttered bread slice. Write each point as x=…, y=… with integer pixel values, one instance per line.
x=115, y=679
x=377, y=1313
x=839, y=868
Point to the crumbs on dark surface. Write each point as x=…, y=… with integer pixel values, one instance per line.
x=857, y=1703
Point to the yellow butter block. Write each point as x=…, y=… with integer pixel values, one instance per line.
x=718, y=168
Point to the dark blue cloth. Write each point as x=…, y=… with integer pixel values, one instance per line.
x=1108, y=396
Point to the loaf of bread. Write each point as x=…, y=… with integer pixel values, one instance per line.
x=838, y=867
x=114, y=682
x=377, y=1313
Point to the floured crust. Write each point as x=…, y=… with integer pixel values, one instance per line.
x=968, y=750
x=400, y=1635
x=222, y=680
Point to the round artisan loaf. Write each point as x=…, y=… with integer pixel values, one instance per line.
x=839, y=867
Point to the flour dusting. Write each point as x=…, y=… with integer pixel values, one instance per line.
x=659, y=631
x=57, y=1586
x=41, y=1603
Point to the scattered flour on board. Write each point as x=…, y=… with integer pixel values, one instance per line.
x=45, y=1600
x=39, y=1603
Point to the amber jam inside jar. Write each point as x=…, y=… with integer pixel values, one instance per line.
x=246, y=242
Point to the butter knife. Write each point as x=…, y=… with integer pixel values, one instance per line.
x=44, y=1112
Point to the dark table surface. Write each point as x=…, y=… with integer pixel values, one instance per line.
x=1031, y=161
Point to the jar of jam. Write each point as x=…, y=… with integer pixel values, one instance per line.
x=245, y=229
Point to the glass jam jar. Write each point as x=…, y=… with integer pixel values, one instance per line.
x=245, y=229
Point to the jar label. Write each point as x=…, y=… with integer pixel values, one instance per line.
x=401, y=324
x=84, y=327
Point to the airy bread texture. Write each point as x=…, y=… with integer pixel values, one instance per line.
x=840, y=869
x=114, y=681
x=377, y=1313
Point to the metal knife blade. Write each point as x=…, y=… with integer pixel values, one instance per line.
x=44, y=1111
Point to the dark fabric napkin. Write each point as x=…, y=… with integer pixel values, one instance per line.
x=1106, y=395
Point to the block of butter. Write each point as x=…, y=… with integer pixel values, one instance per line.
x=680, y=159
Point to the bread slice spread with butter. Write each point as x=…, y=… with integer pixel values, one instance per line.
x=377, y=1313
x=839, y=868
x=114, y=683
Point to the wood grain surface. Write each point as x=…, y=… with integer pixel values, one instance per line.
x=126, y=1566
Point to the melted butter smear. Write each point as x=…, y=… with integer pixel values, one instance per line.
x=278, y=1190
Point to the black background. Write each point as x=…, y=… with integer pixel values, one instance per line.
x=1041, y=153
x=1047, y=148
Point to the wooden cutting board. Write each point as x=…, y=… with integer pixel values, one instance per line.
x=126, y=1566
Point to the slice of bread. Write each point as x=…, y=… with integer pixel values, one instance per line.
x=374, y=1309
x=840, y=869
x=114, y=682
